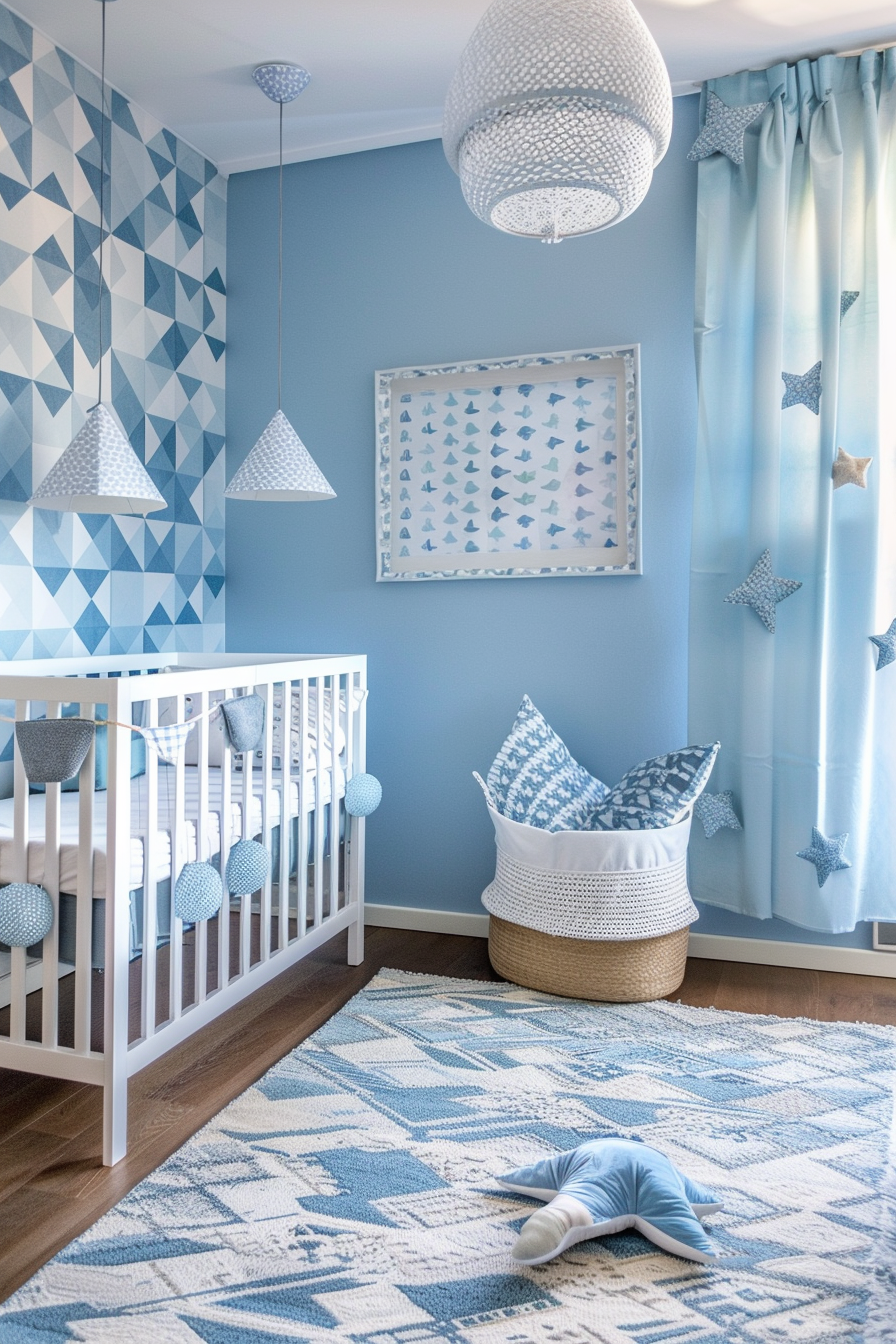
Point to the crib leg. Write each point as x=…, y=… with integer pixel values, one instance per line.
x=356, y=941
x=115, y=1119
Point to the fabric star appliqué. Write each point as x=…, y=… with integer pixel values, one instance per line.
x=716, y=810
x=803, y=389
x=762, y=591
x=849, y=470
x=886, y=646
x=723, y=129
x=826, y=853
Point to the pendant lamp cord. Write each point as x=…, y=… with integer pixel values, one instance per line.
x=102, y=195
x=279, y=278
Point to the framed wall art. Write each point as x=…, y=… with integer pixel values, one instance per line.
x=510, y=468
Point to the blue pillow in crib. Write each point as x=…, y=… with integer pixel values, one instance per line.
x=101, y=762
x=657, y=792
x=535, y=780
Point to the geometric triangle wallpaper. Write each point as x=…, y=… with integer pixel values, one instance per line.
x=73, y=584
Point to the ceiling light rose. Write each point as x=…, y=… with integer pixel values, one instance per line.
x=557, y=115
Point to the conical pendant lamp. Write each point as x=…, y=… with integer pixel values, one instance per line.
x=99, y=472
x=280, y=467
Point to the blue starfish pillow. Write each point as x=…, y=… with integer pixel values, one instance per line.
x=657, y=792
x=609, y=1185
x=535, y=780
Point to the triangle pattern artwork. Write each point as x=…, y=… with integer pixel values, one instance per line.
x=75, y=585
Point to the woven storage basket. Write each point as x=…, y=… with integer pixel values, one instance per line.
x=590, y=914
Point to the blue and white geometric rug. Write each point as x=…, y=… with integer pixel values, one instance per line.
x=350, y=1195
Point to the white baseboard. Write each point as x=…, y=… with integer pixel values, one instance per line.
x=714, y=946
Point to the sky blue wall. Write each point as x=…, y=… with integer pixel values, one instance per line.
x=386, y=266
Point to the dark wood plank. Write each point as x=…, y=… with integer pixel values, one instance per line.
x=53, y=1185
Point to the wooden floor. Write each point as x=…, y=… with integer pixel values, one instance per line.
x=52, y=1184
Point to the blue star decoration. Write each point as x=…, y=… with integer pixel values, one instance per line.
x=716, y=810
x=826, y=853
x=762, y=591
x=803, y=389
x=886, y=646
x=724, y=128
x=606, y=1186
x=847, y=299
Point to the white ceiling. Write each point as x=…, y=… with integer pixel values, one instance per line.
x=380, y=68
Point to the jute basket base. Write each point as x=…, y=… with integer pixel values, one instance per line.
x=581, y=968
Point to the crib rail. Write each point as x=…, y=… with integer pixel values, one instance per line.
x=110, y=858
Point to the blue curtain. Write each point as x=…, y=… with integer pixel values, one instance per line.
x=796, y=263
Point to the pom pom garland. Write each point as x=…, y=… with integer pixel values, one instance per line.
x=26, y=914
x=198, y=892
x=247, y=867
x=363, y=795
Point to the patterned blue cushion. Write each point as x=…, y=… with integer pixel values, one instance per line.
x=656, y=792
x=535, y=780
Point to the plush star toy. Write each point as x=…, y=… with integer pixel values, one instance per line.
x=763, y=590
x=606, y=1186
x=803, y=389
x=826, y=852
x=886, y=646
x=724, y=128
x=849, y=470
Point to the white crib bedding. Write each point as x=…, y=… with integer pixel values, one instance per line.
x=69, y=823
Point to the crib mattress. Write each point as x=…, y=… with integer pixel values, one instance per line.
x=69, y=821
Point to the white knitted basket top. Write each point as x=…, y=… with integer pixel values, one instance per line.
x=608, y=885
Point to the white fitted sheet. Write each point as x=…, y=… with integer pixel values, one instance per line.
x=69, y=809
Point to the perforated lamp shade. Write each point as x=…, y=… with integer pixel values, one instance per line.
x=99, y=472
x=557, y=114
x=280, y=467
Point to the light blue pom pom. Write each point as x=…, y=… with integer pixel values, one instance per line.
x=198, y=892
x=247, y=867
x=26, y=914
x=363, y=795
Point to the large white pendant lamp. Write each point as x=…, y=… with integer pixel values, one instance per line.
x=99, y=472
x=557, y=114
x=280, y=467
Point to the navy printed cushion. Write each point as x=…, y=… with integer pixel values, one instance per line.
x=534, y=779
x=657, y=792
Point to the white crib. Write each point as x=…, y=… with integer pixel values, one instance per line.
x=109, y=859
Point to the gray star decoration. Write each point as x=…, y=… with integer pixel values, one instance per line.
x=762, y=591
x=716, y=810
x=803, y=389
x=826, y=853
x=848, y=470
x=723, y=129
x=847, y=299
x=886, y=646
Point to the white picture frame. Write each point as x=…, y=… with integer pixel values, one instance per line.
x=456, y=442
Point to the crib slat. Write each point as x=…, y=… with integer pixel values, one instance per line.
x=267, y=694
x=200, y=962
x=117, y=961
x=50, y=949
x=319, y=720
x=246, y=833
x=84, y=894
x=335, y=724
x=226, y=842
x=285, y=815
x=20, y=812
x=304, y=803
x=355, y=831
x=150, y=877
x=179, y=856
